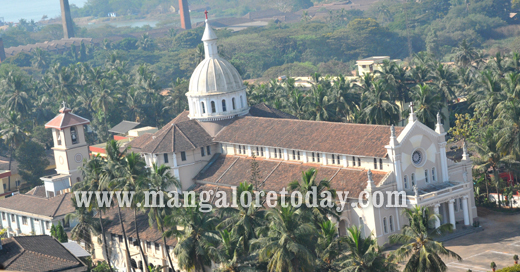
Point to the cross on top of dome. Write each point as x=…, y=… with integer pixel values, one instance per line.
x=206, y=12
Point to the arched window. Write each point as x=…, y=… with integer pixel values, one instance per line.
x=434, y=176
x=241, y=102
x=391, y=223
x=224, y=105
x=405, y=179
x=384, y=225
x=213, y=107
x=73, y=135
x=233, y=103
x=58, y=137
x=426, y=176
x=203, y=108
x=413, y=179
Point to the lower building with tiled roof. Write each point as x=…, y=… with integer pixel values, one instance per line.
x=37, y=253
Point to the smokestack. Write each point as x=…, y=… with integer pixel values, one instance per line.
x=2, y=51
x=185, y=14
x=66, y=19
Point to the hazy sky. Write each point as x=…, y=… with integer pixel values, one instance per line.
x=14, y=10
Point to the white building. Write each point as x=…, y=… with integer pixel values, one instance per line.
x=211, y=148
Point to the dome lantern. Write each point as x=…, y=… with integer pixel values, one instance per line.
x=216, y=91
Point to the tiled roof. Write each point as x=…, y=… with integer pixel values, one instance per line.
x=37, y=253
x=66, y=119
x=178, y=137
x=146, y=232
x=328, y=137
x=266, y=111
x=51, y=207
x=276, y=175
x=123, y=127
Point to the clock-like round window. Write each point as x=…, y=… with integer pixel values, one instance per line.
x=417, y=157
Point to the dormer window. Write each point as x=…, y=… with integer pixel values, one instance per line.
x=73, y=135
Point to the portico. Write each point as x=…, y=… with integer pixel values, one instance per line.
x=447, y=200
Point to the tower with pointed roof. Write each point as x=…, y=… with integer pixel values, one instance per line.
x=216, y=91
x=70, y=146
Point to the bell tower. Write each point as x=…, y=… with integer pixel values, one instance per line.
x=70, y=147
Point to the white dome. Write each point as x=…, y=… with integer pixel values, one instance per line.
x=215, y=76
x=216, y=91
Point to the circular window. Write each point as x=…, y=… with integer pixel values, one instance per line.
x=418, y=157
x=78, y=158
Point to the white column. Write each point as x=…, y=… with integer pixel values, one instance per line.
x=305, y=160
x=398, y=172
x=267, y=153
x=444, y=162
x=249, y=151
x=285, y=155
x=452, y=213
x=345, y=161
x=436, y=212
x=466, y=211
x=324, y=159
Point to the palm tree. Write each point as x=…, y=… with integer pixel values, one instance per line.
x=244, y=221
x=296, y=103
x=319, y=104
x=464, y=54
x=145, y=43
x=14, y=134
x=196, y=238
x=489, y=94
x=40, y=59
x=227, y=253
x=160, y=180
x=423, y=253
x=112, y=171
x=377, y=105
x=445, y=80
x=489, y=155
x=364, y=254
x=92, y=171
x=306, y=186
x=329, y=248
x=14, y=95
x=289, y=243
x=86, y=225
x=428, y=103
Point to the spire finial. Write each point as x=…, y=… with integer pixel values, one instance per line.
x=392, y=131
x=63, y=104
x=412, y=117
x=370, y=178
x=206, y=12
x=438, y=118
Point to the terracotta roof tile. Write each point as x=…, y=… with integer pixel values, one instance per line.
x=37, y=253
x=328, y=137
x=51, y=207
x=66, y=119
x=232, y=170
x=178, y=137
x=266, y=111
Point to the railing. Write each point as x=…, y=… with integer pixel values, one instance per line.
x=442, y=192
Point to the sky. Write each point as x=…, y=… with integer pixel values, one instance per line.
x=14, y=10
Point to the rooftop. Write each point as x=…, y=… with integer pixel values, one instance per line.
x=66, y=119
x=327, y=137
x=34, y=204
x=37, y=253
x=123, y=127
x=229, y=171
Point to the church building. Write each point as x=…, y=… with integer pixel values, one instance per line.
x=211, y=146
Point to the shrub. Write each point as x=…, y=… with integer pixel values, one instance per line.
x=514, y=268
